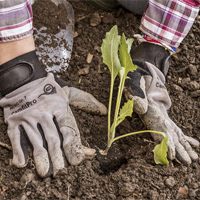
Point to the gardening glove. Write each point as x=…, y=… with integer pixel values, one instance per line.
x=146, y=87
x=37, y=111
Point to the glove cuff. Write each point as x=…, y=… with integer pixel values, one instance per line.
x=20, y=71
x=154, y=54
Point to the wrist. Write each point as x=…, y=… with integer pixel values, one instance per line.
x=20, y=71
x=13, y=49
x=154, y=54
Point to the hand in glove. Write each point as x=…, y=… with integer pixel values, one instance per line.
x=37, y=110
x=151, y=100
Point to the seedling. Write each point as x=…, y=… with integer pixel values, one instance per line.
x=115, y=51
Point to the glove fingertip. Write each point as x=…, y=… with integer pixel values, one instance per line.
x=19, y=162
x=91, y=107
x=171, y=152
x=42, y=164
x=20, y=159
x=193, y=155
x=103, y=110
x=76, y=160
x=182, y=155
x=140, y=105
x=74, y=155
x=185, y=160
x=72, y=145
x=58, y=162
x=192, y=141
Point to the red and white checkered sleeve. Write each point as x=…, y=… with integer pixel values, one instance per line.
x=16, y=20
x=169, y=21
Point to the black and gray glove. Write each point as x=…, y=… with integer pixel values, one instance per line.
x=151, y=100
x=37, y=111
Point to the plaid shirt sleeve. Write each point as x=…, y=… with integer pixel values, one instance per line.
x=169, y=21
x=16, y=19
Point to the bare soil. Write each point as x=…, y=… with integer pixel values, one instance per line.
x=138, y=177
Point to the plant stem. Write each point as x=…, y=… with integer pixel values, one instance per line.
x=129, y=134
x=117, y=107
x=134, y=133
x=106, y=150
x=109, y=106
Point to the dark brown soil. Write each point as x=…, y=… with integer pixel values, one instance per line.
x=46, y=14
x=139, y=177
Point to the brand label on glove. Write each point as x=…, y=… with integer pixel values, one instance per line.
x=48, y=89
x=23, y=104
x=160, y=85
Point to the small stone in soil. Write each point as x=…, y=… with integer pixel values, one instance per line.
x=95, y=19
x=153, y=195
x=192, y=70
x=177, y=88
x=195, y=93
x=24, y=197
x=182, y=193
x=27, y=177
x=193, y=85
x=192, y=193
x=83, y=71
x=170, y=182
x=127, y=190
x=108, y=18
x=89, y=58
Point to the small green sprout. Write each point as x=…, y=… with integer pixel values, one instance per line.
x=115, y=51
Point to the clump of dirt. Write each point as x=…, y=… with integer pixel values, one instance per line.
x=48, y=14
x=138, y=177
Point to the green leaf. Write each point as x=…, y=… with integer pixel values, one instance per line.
x=160, y=152
x=125, y=57
x=129, y=42
x=125, y=111
x=109, y=50
x=121, y=74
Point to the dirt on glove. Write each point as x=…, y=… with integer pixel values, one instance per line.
x=139, y=177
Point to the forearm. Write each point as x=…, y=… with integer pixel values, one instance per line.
x=10, y=50
x=169, y=21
